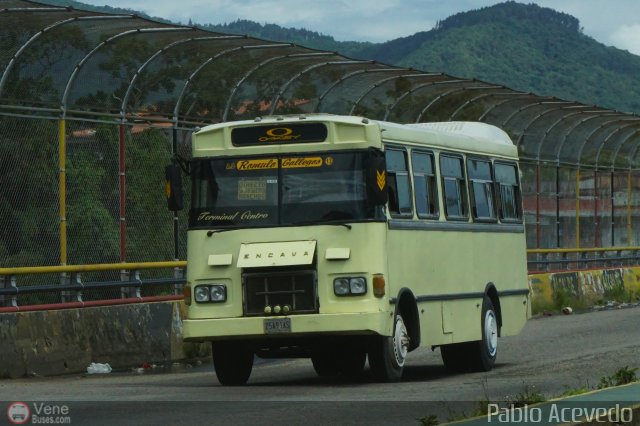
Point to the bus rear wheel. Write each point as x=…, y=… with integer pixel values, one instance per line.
x=387, y=355
x=485, y=350
x=232, y=362
x=479, y=355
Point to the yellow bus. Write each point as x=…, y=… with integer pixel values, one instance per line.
x=340, y=238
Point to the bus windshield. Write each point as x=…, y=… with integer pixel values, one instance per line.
x=277, y=190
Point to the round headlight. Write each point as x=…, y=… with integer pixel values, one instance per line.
x=202, y=293
x=341, y=286
x=358, y=285
x=218, y=293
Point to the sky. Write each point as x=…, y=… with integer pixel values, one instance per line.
x=611, y=22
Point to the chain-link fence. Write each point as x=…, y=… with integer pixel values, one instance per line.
x=93, y=106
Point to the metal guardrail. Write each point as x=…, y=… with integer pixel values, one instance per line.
x=71, y=287
x=549, y=260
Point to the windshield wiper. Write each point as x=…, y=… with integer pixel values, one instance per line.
x=215, y=231
x=311, y=222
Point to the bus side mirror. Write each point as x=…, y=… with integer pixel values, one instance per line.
x=377, y=181
x=173, y=186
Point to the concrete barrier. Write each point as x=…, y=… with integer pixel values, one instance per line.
x=67, y=341
x=582, y=288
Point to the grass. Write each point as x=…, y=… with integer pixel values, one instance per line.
x=530, y=396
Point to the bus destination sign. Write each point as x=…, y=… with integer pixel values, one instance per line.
x=279, y=134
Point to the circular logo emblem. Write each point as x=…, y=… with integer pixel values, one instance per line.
x=18, y=413
x=328, y=161
x=279, y=132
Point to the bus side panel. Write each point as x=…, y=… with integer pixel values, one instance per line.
x=448, y=273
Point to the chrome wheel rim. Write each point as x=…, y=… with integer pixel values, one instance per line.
x=400, y=342
x=491, y=333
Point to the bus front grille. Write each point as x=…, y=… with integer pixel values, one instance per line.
x=291, y=292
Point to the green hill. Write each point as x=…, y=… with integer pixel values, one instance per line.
x=522, y=46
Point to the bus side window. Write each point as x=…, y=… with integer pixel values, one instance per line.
x=508, y=192
x=481, y=187
x=424, y=181
x=398, y=183
x=453, y=187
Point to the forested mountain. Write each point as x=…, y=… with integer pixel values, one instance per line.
x=521, y=46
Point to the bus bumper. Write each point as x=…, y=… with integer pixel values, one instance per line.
x=301, y=325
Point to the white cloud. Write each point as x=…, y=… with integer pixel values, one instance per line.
x=627, y=37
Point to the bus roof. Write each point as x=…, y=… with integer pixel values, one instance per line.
x=475, y=137
x=462, y=135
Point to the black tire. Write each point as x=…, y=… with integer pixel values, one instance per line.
x=479, y=355
x=233, y=362
x=456, y=357
x=325, y=364
x=387, y=355
x=484, y=351
x=346, y=362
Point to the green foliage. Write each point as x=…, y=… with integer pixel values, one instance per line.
x=431, y=420
x=621, y=377
x=528, y=396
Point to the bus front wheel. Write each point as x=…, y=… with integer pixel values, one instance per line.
x=232, y=362
x=387, y=354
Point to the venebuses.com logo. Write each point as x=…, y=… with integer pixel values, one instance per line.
x=20, y=413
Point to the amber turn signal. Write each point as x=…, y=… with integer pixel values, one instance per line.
x=186, y=292
x=378, y=285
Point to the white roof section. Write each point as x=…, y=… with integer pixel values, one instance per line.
x=469, y=136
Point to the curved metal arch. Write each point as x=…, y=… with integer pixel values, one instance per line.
x=477, y=98
x=499, y=104
x=557, y=123
x=444, y=95
x=43, y=31
x=260, y=65
x=353, y=74
x=531, y=105
x=80, y=64
x=593, y=133
x=628, y=138
x=208, y=61
x=635, y=153
x=348, y=76
x=415, y=89
x=450, y=92
x=542, y=114
x=285, y=86
x=379, y=83
x=617, y=129
x=166, y=48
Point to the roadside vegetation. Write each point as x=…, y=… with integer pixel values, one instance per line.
x=530, y=396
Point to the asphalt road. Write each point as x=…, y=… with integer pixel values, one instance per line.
x=551, y=356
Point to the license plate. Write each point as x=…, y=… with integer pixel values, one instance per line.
x=277, y=325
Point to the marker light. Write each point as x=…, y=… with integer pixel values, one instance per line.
x=378, y=285
x=186, y=293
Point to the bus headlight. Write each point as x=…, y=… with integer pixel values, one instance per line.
x=341, y=286
x=202, y=293
x=350, y=286
x=358, y=285
x=214, y=293
x=218, y=293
